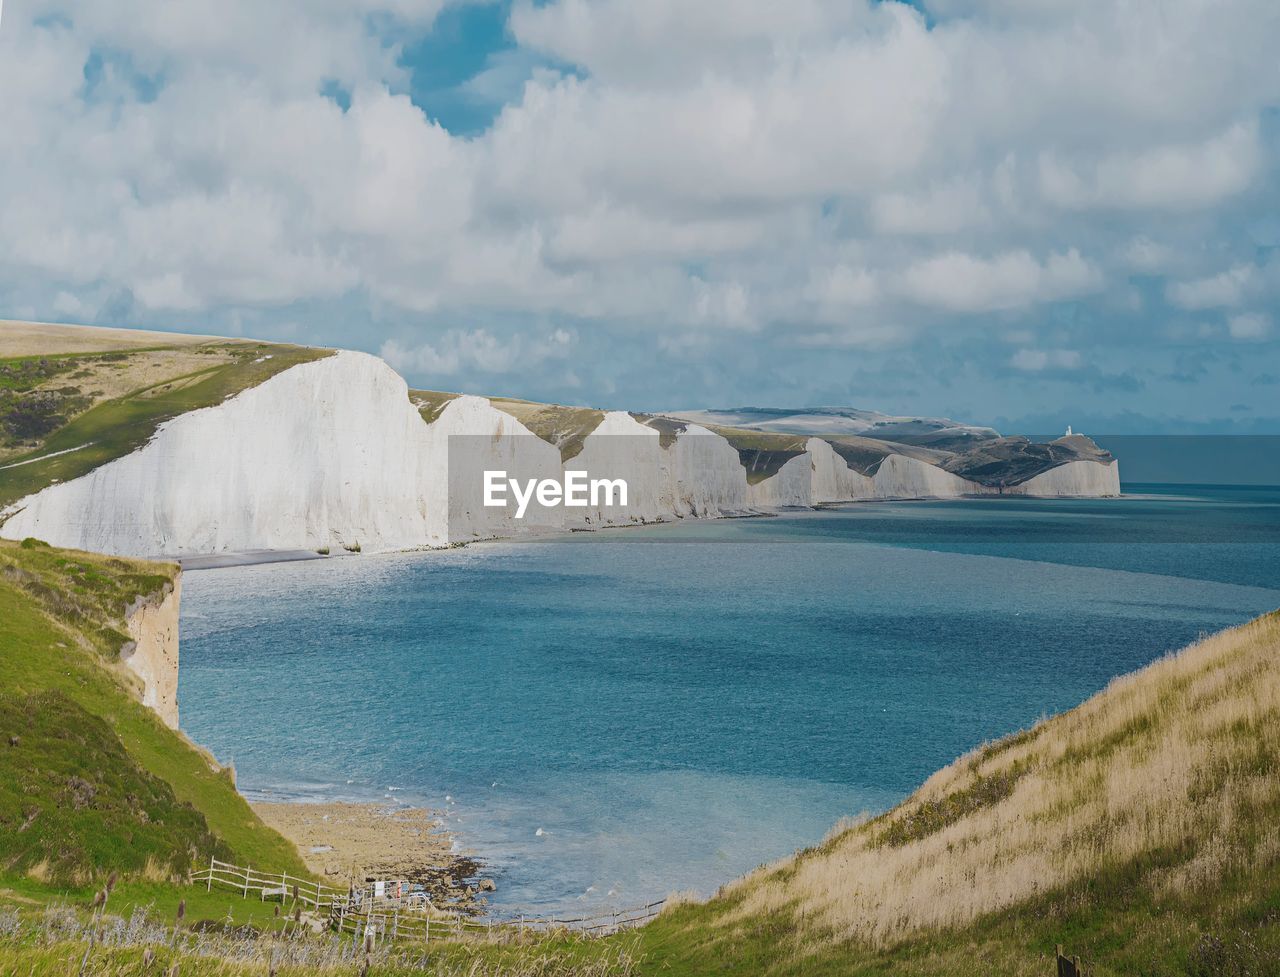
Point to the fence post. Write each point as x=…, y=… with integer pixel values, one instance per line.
x=210, y=886
x=247, y=870
x=1067, y=966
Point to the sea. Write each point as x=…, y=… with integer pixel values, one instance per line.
x=606, y=718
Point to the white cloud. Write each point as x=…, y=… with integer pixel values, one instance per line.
x=1037, y=360
x=838, y=290
x=1170, y=177
x=1147, y=256
x=611, y=234
x=286, y=45
x=615, y=39
x=961, y=282
x=722, y=304
x=1249, y=326
x=829, y=173
x=1225, y=289
x=461, y=351
x=940, y=208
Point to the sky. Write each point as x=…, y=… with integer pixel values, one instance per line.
x=1024, y=213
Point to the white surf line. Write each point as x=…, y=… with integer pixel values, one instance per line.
x=32, y=461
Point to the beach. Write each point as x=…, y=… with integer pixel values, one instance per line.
x=354, y=843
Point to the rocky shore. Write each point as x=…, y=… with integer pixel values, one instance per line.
x=351, y=844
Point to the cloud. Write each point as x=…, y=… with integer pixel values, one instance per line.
x=1147, y=256
x=476, y=351
x=732, y=193
x=1225, y=289
x=614, y=40
x=1036, y=360
x=1249, y=326
x=961, y=282
x=1168, y=177
x=940, y=208
x=837, y=290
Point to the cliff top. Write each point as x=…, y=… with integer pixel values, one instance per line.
x=73, y=398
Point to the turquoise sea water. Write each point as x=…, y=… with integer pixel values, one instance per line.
x=609, y=717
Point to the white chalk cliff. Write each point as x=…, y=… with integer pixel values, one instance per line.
x=152, y=652
x=332, y=454
x=1075, y=479
x=326, y=454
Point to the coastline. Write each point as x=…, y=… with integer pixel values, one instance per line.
x=218, y=561
x=350, y=843
x=503, y=839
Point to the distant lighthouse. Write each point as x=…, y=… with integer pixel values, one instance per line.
x=1068, y=434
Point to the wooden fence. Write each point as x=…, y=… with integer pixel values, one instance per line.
x=263, y=885
x=396, y=910
x=377, y=924
x=1068, y=966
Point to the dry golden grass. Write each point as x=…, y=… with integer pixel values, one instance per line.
x=48, y=339
x=565, y=427
x=67, y=939
x=1175, y=764
x=96, y=381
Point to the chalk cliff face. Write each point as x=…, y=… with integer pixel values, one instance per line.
x=792, y=486
x=900, y=477
x=331, y=454
x=328, y=454
x=1075, y=479
x=622, y=447
x=469, y=437
x=706, y=477
x=832, y=479
x=152, y=652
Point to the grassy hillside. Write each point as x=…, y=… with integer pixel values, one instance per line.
x=431, y=403
x=1012, y=461
x=91, y=781
x=1141, y=829
x=51, y=339
x=864, y=455
x=762, y=453
x=565, y=427
x=63, y=415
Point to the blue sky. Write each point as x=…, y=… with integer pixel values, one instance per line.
x=466, y=43
x=1027, y=214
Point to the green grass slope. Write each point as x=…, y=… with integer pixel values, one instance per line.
x=1012, y=461
x=565, y=427
x=1141, y=830
x=762, y=453
x=47, y=401
x=91, y=781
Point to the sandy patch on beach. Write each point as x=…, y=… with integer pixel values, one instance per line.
x=362, y=842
